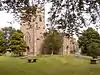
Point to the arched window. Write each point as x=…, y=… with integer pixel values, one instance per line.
x=28, y=38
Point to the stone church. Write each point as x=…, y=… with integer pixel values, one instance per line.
x=34, y=36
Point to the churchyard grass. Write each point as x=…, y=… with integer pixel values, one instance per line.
x=48, y=65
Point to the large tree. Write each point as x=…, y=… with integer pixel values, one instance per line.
x=52, y=42
x=67, y=13
x=89, y=38
x=17, y=43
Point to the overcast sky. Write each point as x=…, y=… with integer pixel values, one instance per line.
x=5, y=18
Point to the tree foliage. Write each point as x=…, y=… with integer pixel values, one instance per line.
x=52, y=42
x=70, y=14
x=67, y=13
x=89, y=41
x=17, y=43
x=13, y=40
x=2, y=46
x=18, y=7
x=7, y=33
x=93, y=49
x=13, y=5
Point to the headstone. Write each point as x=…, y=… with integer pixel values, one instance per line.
x=94, y=61
x=30, y=60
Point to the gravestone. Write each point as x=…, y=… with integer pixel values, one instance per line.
x=31, y=60
x=94, y=61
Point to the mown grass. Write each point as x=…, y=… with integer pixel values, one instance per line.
x=48, y=65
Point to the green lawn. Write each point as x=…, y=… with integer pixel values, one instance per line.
x=48, y=65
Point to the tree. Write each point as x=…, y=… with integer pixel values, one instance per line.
x=2, y=46
x=17, y=43
x=94, y=49
x=52, y=42
x=89, y=38
x=8, y=31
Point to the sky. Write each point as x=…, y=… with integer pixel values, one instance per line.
x=5, y=18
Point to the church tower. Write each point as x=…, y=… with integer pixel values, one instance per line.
x=33, y=33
